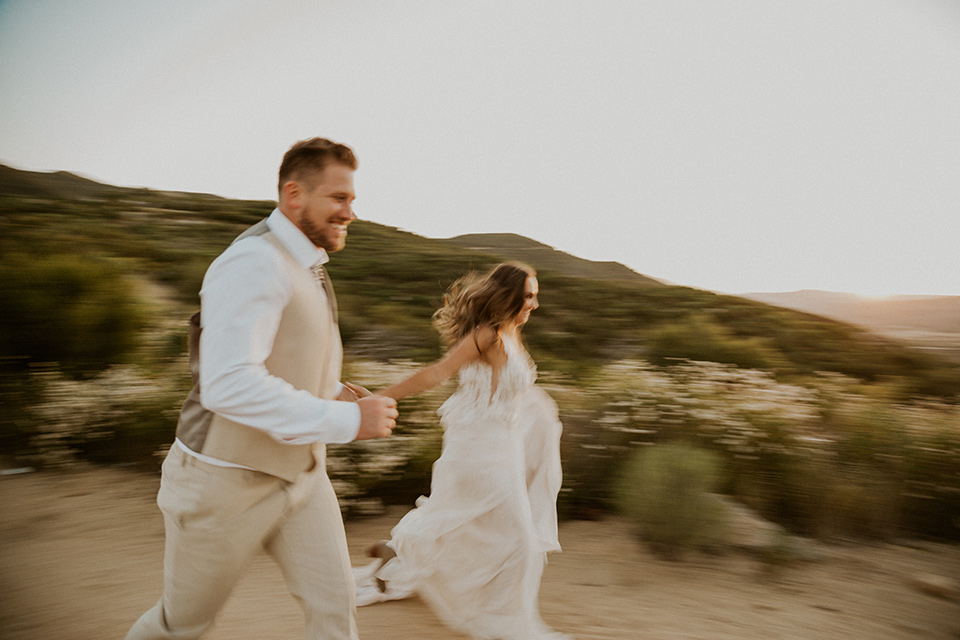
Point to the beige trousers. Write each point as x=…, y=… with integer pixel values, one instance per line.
x=218, y=518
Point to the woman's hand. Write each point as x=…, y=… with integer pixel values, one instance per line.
x=352, y=392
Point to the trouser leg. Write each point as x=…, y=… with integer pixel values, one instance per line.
x=216, y=520
x=311, y=548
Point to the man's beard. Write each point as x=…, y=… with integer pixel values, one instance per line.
x=317, y=236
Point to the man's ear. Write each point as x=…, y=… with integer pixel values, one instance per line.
x=292, y=194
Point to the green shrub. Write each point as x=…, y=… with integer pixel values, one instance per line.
x=698, y=337
x=122, y=415
x=77, y=311
x=830, y=457
x=666, y=490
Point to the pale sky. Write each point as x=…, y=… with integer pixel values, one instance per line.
x=731, y=145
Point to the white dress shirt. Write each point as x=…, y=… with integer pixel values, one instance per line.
x=243, y=295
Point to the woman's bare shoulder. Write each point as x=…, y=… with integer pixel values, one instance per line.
x=485, y=337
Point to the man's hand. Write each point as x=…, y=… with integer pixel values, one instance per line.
x=378, y=417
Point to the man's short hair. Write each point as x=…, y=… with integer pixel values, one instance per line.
x=306, y=160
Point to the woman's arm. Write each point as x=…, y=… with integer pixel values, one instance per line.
x=470, y=347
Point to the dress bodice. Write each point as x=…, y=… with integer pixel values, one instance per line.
x=476, y=395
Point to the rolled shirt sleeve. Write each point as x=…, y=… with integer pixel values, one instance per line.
x=243, y=296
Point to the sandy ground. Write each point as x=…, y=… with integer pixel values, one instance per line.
x=81, y=553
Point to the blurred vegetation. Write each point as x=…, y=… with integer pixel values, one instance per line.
x=667, y=492
x=821, y=426
x=829, y=458
x=76, y=310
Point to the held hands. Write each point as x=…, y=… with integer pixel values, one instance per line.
x=352, y=392
x=378, y=417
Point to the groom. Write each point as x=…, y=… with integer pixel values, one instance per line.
x=247, y=469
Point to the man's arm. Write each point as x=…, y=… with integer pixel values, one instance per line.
x=243, y=296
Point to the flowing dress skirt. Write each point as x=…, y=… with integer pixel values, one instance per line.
x=475, y=549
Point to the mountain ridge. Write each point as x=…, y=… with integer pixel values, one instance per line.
x=928, y=313
x=928, y=323
x=524, y=249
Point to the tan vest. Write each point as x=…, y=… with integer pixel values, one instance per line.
x=307, y=353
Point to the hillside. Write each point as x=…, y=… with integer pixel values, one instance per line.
x=60, y=184
x=69, y=186
x=515, y=247
x=389, y=282
x=931, y=322
x=924, y=313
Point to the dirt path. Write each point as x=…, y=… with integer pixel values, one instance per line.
x=81, y=552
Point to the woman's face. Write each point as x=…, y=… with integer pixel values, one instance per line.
x=530, y=290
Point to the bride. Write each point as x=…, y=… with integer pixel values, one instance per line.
x=475, y=549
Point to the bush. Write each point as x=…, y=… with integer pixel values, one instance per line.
x=76, y=311
x=830, y=457
x=700, y=338
x=122, y=415
x=666, y=490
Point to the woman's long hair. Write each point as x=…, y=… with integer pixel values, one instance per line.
x=473, y=301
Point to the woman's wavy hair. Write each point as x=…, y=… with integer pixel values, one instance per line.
x=475, y=300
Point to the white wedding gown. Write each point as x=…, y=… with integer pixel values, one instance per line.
x=475, y=549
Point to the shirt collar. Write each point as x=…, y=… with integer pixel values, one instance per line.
x=303, y=251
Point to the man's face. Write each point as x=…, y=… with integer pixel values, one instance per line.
x=325, y=210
